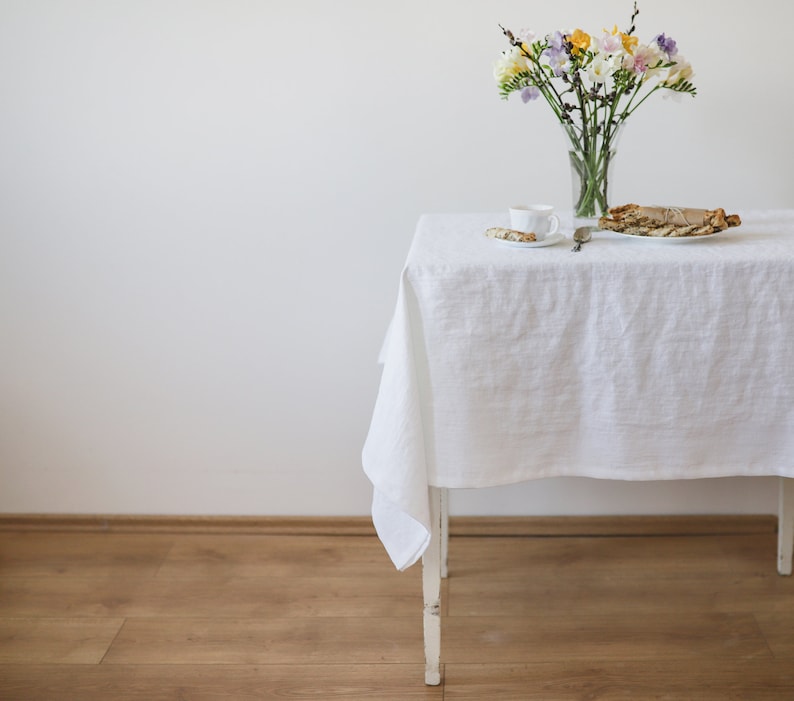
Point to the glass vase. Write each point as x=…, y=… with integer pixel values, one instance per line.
x=591, y=155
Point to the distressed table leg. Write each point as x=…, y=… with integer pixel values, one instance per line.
x=785, y=525
x=431, y=588
x=444, y=532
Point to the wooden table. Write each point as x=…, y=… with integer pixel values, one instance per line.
x=630, y=360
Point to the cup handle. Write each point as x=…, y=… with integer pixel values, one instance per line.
x=555, y=224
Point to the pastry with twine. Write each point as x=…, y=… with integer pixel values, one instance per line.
x=667, y=221
x=510, y=235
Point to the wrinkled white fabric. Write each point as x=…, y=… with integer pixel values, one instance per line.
x=630, y=360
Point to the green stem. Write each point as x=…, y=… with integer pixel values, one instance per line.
x=591, y=152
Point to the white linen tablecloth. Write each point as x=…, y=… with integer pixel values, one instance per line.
x=631, y=360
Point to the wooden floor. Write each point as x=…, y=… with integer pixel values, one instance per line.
x=91, y=616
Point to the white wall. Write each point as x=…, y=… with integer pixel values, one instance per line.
x=205, y=206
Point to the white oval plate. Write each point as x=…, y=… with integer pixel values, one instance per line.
x=548, y=241
x=668, y=239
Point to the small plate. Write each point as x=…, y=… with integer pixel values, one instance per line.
x=669, y=239
x=548, y=241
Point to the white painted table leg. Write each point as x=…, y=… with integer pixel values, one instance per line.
x=785, y=525
x=444, y=533
x=431, y=588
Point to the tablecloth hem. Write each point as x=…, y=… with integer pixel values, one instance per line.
x=611, y=474
x=404, y=537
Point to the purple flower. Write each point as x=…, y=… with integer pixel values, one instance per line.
x=531, y=92
x=556, y=41
x=559, y=63
x=556, y=54
x=666, y=44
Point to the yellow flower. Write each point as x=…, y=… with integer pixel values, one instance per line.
x=629, y=42
x=580, y=41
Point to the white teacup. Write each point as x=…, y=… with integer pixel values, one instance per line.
x=538, y=219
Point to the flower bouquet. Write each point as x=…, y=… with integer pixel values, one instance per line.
x=593, y=83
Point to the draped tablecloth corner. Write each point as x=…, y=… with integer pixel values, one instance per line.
x=393, y=456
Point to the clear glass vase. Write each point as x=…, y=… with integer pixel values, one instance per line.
x=591, y=154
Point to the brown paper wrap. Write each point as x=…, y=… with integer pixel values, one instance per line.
x=667, y=221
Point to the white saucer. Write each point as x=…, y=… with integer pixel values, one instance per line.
x=548, y=241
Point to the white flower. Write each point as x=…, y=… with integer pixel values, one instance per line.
x=647, y=59
x=682, y=70
x=527, y=36
x=627, y=62
x=600, y=68
x=608, y=43
x=508, y=64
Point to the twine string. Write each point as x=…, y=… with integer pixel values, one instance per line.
x=671, y=212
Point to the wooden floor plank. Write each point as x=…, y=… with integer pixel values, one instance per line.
x=63, y=596
x=220, y=597
x=473, y=639
x=778, y=629
x=603, y=592
x=56, y=640
x=671, y=556
x=618, y=680
x=82, y=554
x=345, y=682
x=272, y=641
x=278, y=556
